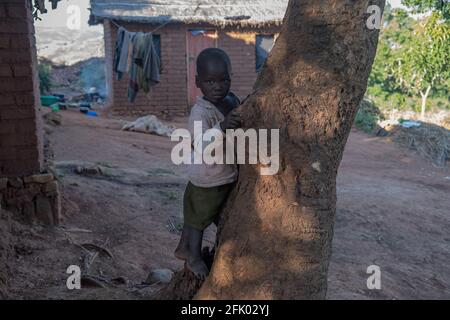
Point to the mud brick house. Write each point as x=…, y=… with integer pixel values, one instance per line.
x=245, y=29
x=27, y=186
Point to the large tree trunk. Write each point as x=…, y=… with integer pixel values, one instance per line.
x=274, y=241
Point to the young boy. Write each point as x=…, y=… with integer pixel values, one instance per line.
x=209, y=185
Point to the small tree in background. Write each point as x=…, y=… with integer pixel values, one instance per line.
x=409, y=44
x=395, y=38
x=45, y=79
x=423, y=6
x=425, y=63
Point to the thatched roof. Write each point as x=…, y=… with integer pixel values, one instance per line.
x=216, y=12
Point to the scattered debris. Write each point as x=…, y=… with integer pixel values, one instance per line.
x=381, y=132
x=53, y=118
x=440, y=118
x=432, y=141
x=84, y=105
x=92, y=246
x=159, y=276
x=174, y=225
x=429, y=140
x=120, y=280
x=87, y=98
x=55, y=107
x=76, y=230
x=389, y=122
x=88, y=170
x=90, y=281
x=409, y=123
x=84, y=110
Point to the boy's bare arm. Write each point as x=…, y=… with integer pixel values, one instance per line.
x=232, y=121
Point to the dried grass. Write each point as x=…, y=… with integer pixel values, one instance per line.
x=429, y=140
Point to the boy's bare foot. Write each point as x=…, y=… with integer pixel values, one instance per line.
x=198, y=267
x=182, y=251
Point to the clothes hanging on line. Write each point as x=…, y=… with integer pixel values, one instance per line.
x=40, y=5
x=117, y=50
x=135, y=54
x=124, y=49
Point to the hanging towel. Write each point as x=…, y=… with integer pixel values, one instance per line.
x=118, y=51
x=125, y=53
x=136, y=66
x=152, y=65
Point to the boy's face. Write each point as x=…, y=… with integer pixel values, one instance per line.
x=214, y=80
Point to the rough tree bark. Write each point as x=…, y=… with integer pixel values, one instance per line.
x=274, y=240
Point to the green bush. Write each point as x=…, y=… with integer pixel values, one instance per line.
x=45, y=79
x=367, y=116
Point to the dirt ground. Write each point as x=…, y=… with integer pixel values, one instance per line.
x=393, y=211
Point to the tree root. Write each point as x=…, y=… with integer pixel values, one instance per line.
x=184, y=284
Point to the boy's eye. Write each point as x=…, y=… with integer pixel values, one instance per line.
x=210, y=82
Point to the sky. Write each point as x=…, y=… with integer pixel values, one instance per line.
x=59, y=17
x=395, y=3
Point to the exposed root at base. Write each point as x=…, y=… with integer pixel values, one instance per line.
x=184, y=284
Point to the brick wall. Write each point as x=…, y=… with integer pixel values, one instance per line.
x=109, y=54
x=20, y=128
x=171, y=94
x=240, y=46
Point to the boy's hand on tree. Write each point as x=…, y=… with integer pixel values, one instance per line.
x=232, y=121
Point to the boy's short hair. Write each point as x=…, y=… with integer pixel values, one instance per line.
x=212, y=54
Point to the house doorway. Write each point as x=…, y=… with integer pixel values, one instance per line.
x=197, y=40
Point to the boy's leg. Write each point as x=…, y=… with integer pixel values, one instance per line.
x=195, y=261
x=182, y=250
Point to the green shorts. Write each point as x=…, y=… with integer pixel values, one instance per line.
x=202, y=206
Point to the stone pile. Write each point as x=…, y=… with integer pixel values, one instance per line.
x=35, y=198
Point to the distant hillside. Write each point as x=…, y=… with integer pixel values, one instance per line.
x=63, y=46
